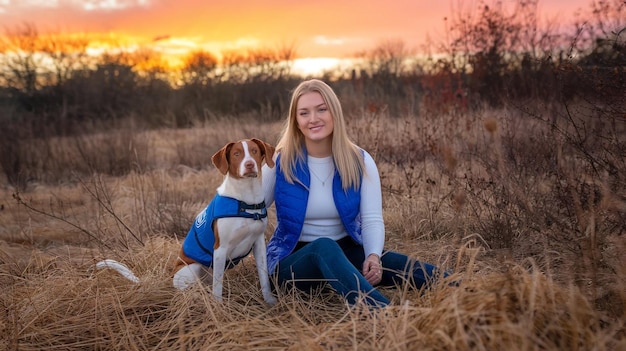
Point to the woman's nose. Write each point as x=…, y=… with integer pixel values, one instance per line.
x=314, y=117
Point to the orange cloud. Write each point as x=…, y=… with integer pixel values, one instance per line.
x=322, y=28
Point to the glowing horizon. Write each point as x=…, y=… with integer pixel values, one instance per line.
x=321, y=32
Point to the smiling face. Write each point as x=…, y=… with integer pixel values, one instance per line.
x=316, y=123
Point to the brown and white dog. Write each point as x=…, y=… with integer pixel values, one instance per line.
x=230, y=227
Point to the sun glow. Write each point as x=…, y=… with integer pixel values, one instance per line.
x=174, y=50
x=316, y=65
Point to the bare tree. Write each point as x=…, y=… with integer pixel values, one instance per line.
x=603, y=26
x=489, y=42
x=66, y=56
x=199, y=68
x=31, y=60
x=387, y=59
x=255, y=65
x=20, y=63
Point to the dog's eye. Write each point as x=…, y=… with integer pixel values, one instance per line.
x=237, y=153
x=254, y=151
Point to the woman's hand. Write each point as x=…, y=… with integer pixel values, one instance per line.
x=373, y=269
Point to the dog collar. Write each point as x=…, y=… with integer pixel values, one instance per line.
x=256, y=216
x=245, y=206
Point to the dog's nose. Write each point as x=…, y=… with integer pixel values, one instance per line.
x=249, y=165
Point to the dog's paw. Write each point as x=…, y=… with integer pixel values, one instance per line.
x=270, y=299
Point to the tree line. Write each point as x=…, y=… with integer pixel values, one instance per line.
x=492, y=54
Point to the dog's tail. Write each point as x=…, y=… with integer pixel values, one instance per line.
x=119, y=267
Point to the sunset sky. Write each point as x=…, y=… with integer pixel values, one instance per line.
x=317, y=29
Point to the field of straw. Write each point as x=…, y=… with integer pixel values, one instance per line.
x=457, y=189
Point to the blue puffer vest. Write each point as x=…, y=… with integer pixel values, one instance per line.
x=291, y=201
x=200, y=240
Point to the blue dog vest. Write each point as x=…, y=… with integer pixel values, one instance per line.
x=200, y=240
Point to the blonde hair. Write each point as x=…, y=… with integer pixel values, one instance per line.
x=347, y=155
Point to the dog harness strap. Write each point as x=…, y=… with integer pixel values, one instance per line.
x=256, y=216
x=207, y=251
x=244, y=206
x=244, y=214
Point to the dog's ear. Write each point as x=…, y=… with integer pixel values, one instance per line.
x=220, y=158
x=267, y=150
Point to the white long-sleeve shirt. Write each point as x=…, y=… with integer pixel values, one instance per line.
x=322, y=219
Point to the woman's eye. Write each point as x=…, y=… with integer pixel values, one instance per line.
x=322, y=109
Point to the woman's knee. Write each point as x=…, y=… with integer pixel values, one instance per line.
x=325, y=245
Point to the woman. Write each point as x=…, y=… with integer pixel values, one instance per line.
x=329, y=207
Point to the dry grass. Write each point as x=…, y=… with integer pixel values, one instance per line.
x=522, y=289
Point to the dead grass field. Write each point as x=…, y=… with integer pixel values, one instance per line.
x=470, y=193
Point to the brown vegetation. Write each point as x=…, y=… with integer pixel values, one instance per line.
x=503, y=161
x=467, y=197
